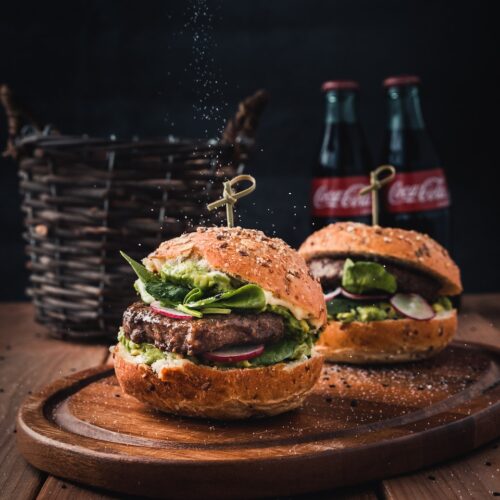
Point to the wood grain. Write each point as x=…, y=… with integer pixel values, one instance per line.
x=485, y=304
x=473, y=327
x=29, y=360
x=465, y=477
x=17, y=330
x=56, y=489
x=477, y=476
x=412, y=415
x=367, y=492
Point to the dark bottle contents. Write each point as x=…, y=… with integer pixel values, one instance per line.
x=418, y=198
x=343, y=164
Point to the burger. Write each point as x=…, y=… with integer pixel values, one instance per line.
x=387, y=291
x=224, y=328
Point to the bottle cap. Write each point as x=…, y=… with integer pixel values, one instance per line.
x=339, y=85
x=393, y=81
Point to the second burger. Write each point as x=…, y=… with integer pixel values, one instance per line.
x=387, y=293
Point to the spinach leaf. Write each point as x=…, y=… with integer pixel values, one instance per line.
x=142, y=273
x=166, y=292
x=187, y=310
x=216, y=310
x=245, y=297
x=286, y=349
x=194, y=294
x=340, y=305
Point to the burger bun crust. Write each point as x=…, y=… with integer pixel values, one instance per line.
x=387, y=341
x=188, y=389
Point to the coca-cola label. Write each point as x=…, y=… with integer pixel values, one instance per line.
x=417, y=191
x=339, y=196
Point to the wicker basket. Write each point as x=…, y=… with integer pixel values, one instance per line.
x=86, y=199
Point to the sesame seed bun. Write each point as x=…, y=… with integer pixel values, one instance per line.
x=193, y=390
x=409, y=248
x=253, y=257
x=387, y=341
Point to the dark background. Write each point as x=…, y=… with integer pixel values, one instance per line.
x=128, y=67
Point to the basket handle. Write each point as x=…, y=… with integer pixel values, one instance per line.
x=243, y=126
x=16, y=116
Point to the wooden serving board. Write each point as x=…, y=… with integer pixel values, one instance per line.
x=359, y=424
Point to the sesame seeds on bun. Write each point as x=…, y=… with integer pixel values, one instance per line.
x=251, y=256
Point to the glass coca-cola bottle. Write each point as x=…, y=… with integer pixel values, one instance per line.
x=418, y=197
x=343, y=165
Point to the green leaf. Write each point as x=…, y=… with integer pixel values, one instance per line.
x=188, y=310
x=215, y=310
x=140, y=270
x=194, y=294
x=245, y=297
x=366, y=277
x=166, y=292
x=286, y=349
x=340, y=305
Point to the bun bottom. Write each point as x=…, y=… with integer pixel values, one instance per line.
x=389, y=341
x=186, y=389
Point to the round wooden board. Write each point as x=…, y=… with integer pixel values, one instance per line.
x=359, y=424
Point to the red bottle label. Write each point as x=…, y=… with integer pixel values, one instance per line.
x=417, y=191
x=339, y=196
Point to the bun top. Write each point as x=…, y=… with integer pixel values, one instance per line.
x=253, y=257
x=409, y=248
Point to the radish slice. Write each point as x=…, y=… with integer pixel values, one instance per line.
x=412, y=306
x=235, y=353
x=331, y=295
x=169, y=312
x=357, y=296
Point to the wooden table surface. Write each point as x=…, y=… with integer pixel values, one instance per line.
x=29, y=360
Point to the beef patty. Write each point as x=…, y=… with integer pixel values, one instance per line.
x=196, y=336
x=329, y=271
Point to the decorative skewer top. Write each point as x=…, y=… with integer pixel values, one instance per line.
x=229, y=197
x=376, y=183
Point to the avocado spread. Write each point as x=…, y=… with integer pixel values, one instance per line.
x=148, y=352
x=197, y=274
x=346, y=310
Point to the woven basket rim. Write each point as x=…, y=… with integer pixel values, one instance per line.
x=54, y=141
